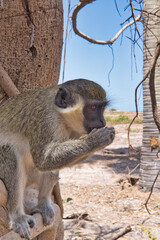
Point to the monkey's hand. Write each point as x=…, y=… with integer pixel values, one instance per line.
x=20, y=224
x=99, y=138
x=60, y=155
x=46, y=210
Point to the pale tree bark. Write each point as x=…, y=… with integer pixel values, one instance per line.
x=150, y=164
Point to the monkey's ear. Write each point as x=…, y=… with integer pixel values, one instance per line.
x=63, y=98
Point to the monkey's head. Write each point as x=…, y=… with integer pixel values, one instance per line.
x=82, y=103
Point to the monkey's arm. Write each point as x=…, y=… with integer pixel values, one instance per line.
x=60, y=155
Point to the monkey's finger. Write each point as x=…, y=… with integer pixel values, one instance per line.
x=36, y=210
x=22, y=230
x=109, y=128
x=25, y=233
x=94, y=130
x=31, y=222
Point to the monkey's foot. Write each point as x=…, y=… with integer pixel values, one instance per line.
x=46, y=210
x=20, y=224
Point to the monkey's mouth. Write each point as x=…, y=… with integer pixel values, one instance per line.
x=89, y=130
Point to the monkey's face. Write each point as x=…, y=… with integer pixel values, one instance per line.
x=93, y=114
x=79, y=113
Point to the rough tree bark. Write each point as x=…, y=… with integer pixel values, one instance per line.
x=150, y=164
x=31, y=37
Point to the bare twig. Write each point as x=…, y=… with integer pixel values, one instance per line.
x=152, y=86
x=38, y=228
x=7, y=84
x=112, y=64
x=117, y=7
x=148, y=13
x=136, y=105
x=126, y=20
x=65, y=43
x=151, y=192
x=108, y=42
x=151, y=68
x=133, y=169
x=133, y=15
x=135, y=33
x=122, y=233
x=154, y=105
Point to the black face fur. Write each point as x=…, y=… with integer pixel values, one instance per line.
x=93, y=114
x=94, y=100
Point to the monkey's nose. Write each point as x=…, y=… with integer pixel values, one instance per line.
x=103, y=122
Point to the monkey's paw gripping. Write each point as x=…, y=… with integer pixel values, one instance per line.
x=20, y=224
x=102, y=137
x=46, y=210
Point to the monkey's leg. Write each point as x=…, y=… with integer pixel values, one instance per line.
x=57, y=197
x=13, y=176
x=46, y=184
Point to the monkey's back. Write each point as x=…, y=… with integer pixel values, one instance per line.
x=28, y=113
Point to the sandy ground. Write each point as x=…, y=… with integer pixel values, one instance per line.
x=105, y=195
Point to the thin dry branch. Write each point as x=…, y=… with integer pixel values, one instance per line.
x=65, y=42
x=122, y=233
x=108, y=42
x=154, y=105
x=126, y=20
x=148, y=13
x=151, y=192
x=7, y=84
x=135, y=22
x=151, y=68
x=152, y=87
x=38, y=228
x=117, y=7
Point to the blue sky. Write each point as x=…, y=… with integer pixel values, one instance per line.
x=100, y=20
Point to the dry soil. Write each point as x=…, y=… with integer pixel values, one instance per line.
x=101, y=196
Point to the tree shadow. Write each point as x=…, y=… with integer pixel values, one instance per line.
x=91, y=229
x=119, y=160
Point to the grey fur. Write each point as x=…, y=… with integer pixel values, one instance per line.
x=37, y=139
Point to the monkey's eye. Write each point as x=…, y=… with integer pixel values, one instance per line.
x=93, y=107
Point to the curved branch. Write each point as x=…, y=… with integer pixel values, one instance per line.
x=7, y=84
x=65, y=41
x=149, y=74
x=152, y=86
x=108, y=42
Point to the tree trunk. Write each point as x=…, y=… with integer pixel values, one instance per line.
x=150, y=164
x=31, y=35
